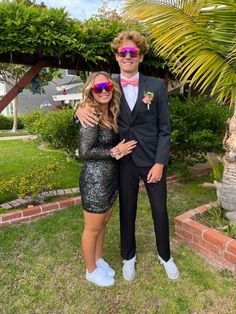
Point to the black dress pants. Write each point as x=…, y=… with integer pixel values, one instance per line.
x=129, y=175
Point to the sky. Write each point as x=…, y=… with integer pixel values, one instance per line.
x=80, y=9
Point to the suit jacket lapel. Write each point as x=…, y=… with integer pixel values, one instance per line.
x=125, y=111
x=139, y=102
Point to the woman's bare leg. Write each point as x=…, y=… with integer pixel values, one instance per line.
x=100, y=237
x=94, y=223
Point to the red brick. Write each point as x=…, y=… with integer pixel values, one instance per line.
x=39, y=215
x=177, y=221
x=194, y=227
x=186, y=215
x=207, y=245
x=231, y=248
x=66, y=203
x=49, y=207
x=31, y=211
x=181, y=239
x=183, y=233
x=19, y=221
x=199, y=249
x=230, y=257
x=216, y=238
x=178, y=237
x=10, y=216
x=77, y=199
x=4, y=224
x=219, y=260
x=202, y=209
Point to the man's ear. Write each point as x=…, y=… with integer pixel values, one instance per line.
x=141, y=58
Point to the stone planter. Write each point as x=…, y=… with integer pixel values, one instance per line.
x=215, y=246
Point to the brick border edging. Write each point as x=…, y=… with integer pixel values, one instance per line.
x=31, y=213
x=215, y=246
x=28, y=214
x=24, y=202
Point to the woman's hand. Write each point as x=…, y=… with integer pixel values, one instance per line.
x=86, y=117
x=123, y=149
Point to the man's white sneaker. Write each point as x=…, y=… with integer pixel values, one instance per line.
x=128, y=269
x=104, y=266
x=100, y=278
x=170, y=268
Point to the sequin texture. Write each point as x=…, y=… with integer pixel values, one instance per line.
x=99, y=175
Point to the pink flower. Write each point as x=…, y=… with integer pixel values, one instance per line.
x=148, y=98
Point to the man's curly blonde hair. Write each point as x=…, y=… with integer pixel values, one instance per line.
x=135, y=36
x=114, y=104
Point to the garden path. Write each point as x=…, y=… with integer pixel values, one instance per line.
x=17, y=137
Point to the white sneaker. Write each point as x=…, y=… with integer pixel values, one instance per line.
x=170, y=268
x=100, y=278
x=128, y=269
x=104, y=266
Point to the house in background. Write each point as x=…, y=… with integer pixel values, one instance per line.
x=69, y=94
x=60, y=92
x=67, y=90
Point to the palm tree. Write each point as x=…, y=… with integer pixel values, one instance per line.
x=198, y=39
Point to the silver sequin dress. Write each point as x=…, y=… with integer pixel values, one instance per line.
x=99, y=175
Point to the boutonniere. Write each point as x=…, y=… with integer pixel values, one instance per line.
x=148, y=98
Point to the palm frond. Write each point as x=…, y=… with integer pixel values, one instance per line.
x=197, y=37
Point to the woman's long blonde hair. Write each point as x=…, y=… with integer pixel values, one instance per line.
x=114, y=104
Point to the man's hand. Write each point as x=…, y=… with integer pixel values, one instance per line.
x=155, y=173
x=86, y=117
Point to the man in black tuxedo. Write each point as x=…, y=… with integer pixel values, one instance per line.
x=144, y=117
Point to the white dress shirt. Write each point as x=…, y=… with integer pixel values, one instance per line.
x=131, y=92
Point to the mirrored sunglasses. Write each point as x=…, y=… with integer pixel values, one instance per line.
x=98, y=88
x=131, y=51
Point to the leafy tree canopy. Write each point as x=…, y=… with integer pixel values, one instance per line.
x=38, y=30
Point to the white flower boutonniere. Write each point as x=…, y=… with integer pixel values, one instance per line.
x=148, y=98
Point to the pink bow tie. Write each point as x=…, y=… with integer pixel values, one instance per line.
x=125, y=82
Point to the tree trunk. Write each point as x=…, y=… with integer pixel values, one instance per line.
x=226, y=189
x=15, y=115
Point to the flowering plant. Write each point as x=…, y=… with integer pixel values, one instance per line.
x=148, y=98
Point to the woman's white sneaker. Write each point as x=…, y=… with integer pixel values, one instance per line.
x=100, y=278
x=170, y=268
x=104, y=266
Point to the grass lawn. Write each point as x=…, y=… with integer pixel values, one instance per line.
x=6, y=133
x=17, y=156
x=42, y=269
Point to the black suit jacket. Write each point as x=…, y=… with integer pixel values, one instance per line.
x=150, y=128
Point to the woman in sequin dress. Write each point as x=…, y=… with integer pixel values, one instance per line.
x=98, y=145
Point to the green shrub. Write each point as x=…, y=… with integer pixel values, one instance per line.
x=34, y=182
x=58, y=129
x=5, y=122
x=217, y=169
x=29, y=120
x=20, y=123
x=182, y=170
x=198, y=126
